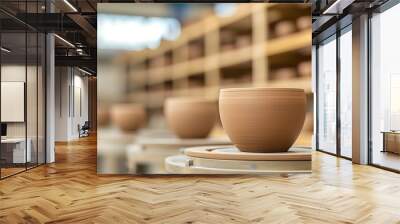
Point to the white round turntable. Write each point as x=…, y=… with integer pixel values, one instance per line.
x=152, y=148
x=229, y=160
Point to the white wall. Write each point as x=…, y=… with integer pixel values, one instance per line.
x=70, y=83
x=12, y=73
x=34, y=125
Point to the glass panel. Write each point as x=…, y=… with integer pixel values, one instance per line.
x=346, y=94
x=385, y=84
x=41, y=99
x=327, y=96
x=23, y=90
x=31, y=98
x=32, y=88
x=13, y=86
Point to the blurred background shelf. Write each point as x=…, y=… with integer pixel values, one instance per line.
x=259, y=45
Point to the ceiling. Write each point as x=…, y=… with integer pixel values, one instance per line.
x=76, y=22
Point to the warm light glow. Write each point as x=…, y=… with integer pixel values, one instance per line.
x=135, y=32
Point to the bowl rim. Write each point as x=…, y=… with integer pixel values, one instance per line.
x=262, y=89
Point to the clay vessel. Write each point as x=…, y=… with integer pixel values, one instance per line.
x=304, y=22
x=284, y=28
x=190, y=117
x=262, y=120
x=128, y=117
x=283, y=74
x=304, y=68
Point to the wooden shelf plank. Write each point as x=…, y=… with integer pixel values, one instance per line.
x=291, y=42
x=236, y=56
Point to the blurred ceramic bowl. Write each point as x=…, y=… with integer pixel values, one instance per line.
x=283, y=73
x=190, y=117
x=262, y=120
x=284, y=28
x=304, y=22
x=128, y=117
x=304, y=68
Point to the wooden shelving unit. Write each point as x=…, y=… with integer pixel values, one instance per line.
x=253, y=47
x=215, y=53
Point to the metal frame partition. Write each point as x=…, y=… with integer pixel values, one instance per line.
x=381, y=9
x=362, y=97
x=36, y=63
x=336, y=31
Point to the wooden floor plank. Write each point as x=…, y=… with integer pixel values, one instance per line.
x=69, y=191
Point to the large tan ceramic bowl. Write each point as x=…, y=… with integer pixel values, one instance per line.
x=262, y=119
x=190, y=117
x=128, y=117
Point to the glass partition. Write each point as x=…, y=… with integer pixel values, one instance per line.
x=41, y=96
x=385, y=89
x=327, y=96
x=31, y=99
x=15, y=150
x=22, y=92
x=346, y=93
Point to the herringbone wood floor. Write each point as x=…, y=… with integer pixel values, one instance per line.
x=69, y=191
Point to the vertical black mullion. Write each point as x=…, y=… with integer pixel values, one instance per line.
x=338, y=77
x=369, y=91
x=26, y=85
x=37, y=90
x=0, y=94
x=45, y=93
x=45, y=88
x=316, y=97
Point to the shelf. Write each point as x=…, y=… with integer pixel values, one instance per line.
x=292, y=42
x=159, y=75
x=200, y=64
x=235, y=56
x=156, y=98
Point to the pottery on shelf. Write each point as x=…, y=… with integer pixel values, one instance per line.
x=190, y=117
x=304, y=68
x=284, y=28
x=303, y=22
x=262, y=119
x=283, y=73
x=243, y=41
x=128, y=117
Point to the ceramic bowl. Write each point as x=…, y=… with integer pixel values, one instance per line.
x=262, y=119
x=190, y=117
x=128, y=117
